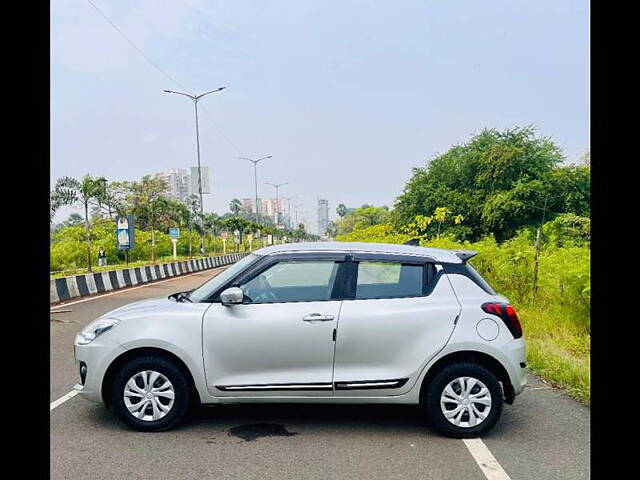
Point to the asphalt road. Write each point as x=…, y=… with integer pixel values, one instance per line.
x=544, y=435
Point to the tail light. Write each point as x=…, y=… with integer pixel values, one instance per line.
x=508, y=315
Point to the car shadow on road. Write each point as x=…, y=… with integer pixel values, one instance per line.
x=298, y=418
x=294, y=418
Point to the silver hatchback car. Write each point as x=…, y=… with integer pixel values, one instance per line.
x=315, y=322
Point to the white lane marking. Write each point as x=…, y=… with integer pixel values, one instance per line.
x=123, y=290
x=63, y=399
x=485, y=459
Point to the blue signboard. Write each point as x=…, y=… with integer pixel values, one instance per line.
x=174, y=232
x=125, y=233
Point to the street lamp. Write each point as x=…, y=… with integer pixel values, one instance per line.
x=277, y=186
x=255, y=178
x=195, y=99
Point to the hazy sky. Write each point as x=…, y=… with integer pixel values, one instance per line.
x=346, y=95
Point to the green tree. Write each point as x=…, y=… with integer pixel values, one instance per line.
x=332, y=229
x=74, y=220
x=440, y=215
x=148, y=204
x=341, y=210
x=88, y=191
x=235, y=206
x=362, y=217
x=237, y=223
x=499, y=181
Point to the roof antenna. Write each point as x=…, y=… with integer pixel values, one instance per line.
x=414, y=242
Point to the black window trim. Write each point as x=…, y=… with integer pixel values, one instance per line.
x=344, y=287
x=428, y=285
x=474, y=276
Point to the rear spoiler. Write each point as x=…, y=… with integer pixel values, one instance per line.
x=465, y=255
x=414, y=242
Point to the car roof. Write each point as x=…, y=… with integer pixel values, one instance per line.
x=437, y=254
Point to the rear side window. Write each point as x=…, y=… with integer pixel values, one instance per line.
x=389, y=280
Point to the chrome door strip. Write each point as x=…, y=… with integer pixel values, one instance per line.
x=276, y=387
x=396, y=383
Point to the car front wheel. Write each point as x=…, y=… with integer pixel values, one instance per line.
x=150, y=394
x=464, y=400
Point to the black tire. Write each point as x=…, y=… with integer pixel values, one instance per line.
x=437, y=385
x=172, y=372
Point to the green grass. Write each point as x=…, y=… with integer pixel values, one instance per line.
x=558, y=349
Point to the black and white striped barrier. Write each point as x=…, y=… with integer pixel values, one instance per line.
x=64, y=288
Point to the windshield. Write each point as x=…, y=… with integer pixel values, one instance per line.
x=205, y=290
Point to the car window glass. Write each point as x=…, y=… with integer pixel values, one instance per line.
x=206, y=290
x=388, y=280
x=292, y=281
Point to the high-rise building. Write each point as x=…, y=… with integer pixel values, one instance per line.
x=266, y=206
x=270, y=207
x=205, y=180
x=323, y=216
x=247, y=204
x=178, y=183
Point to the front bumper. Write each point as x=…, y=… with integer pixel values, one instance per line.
x=97, y=356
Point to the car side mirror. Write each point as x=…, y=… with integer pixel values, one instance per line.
x=232, y=296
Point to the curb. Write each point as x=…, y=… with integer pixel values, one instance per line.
x=65, y=288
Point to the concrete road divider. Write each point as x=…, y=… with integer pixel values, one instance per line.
x=64, y=288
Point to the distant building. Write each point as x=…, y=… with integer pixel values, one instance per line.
x=178, y=183
x=323, y=216
x=205, y=180
x=266, y=206
x=247, y=204
x=270, y=207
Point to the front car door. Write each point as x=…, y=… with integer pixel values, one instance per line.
x=401, y=314
x=279, y=341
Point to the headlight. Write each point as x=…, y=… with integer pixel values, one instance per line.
x=95, y=328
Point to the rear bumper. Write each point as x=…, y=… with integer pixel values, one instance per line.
x=516, y=353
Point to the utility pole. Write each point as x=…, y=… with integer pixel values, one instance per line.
x=536, y=253
x=277, y=187
x=255, y=178
x=195, y=99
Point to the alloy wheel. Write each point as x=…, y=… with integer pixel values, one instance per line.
x=149, y=395
x=465, y=402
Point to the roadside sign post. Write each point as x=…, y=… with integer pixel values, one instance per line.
x=174, y=233
x=236, y=239
x=125, y=235
x=223, y=235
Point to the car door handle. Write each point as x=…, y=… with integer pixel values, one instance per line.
x=317, y=317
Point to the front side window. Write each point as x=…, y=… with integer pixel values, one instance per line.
x=292, y=281
x=389, y=280
x=206, y=290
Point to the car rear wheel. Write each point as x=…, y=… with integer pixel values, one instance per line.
x=464, y=400
x=150, y=394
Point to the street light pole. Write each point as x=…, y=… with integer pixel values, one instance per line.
x=277, y=186
x=195, y=99
x=255, y=178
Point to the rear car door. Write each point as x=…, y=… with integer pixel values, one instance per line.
x=401, y=312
